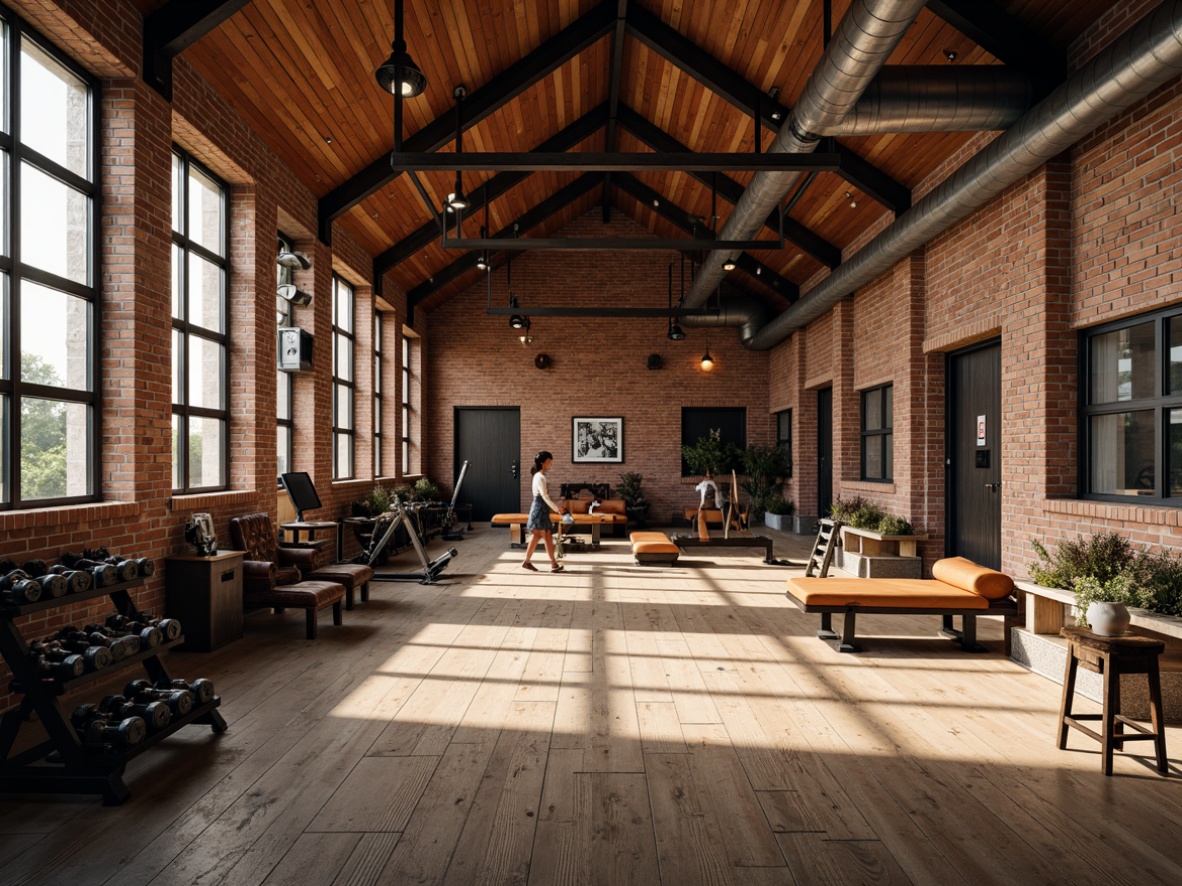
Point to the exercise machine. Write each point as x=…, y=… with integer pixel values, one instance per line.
x=385, y=527
x=450, y=533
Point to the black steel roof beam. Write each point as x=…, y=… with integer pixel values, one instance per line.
x=676, y=215
x=672, y=46
x=618, y=161
x=531, y=218
x=1006, y=39
x=479, y=104
x=495, y=187
x=614, y=77
x=173, y=28
x=728, y=189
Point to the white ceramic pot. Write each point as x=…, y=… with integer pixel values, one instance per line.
x=1108, y=619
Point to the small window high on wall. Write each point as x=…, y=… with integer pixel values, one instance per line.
x=343, y=384
x=1132, y=409
x=784, y=435
x=284, y=400
x=49, y=299
x=698, y=421
x=878, y=439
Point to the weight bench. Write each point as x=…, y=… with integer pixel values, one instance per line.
x=959, y=587
x=516, y=524
x=654, y=549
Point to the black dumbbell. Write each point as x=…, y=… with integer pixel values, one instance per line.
x=16, y=587
x=57, y=664
x=201, y=688
x=77, y=580
x=83, y=714
x=155, y=713
x=150, y=637
x=99, y=732
x=169, y=627
x=143, y=566
x=125, y=569
x=180, y=701
x=96, y=656
x=121, y=645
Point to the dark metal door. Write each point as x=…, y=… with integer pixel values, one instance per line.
x=490, y=441
x=974, y=455
x=824, y=451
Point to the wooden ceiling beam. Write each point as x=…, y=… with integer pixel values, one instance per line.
x=679, y=217
x=614, y=78
x=530, y=219
x=728, y=189
x=1005, y=38
x=173, y=28
x=479, y=104
x=672, y=46
x=495, y=187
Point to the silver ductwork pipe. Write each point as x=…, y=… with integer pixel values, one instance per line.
x=1145, y=57
x=916, y=98
x=867, y=35
x=744, y=311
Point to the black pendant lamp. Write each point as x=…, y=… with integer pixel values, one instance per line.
x=398, y=74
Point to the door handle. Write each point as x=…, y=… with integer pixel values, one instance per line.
x=993, y=487
x=515, y=470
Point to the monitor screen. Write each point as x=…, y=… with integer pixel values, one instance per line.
x=302, y=492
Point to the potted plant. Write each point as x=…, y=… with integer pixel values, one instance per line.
x=425, y=490
x=778, y=513
x=764, y=467
x=375, y=502
x=711, y=454
x=635, y=504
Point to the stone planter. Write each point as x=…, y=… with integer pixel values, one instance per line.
x=804, y=524
x=777, y=521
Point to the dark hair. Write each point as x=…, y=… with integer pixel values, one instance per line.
x=538, y=460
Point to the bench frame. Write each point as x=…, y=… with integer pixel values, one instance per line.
x=966, y=636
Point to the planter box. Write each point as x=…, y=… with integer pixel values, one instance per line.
x=878, y=565
x=777, y=521
x=804, y=525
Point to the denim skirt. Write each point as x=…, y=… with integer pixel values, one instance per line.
x=539, y=515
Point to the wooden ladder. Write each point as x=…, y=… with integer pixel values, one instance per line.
x=821, y=557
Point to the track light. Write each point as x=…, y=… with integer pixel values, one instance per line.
x=294, y=261
x=296, y=296
x=517, y=321
x=729, y=264
x=853, y=202
x=676, y=333
x=707, y=361
x=456, y=200
x=482, y=262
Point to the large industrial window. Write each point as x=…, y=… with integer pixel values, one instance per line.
x=784, y=435
x=284, y=418
x=200, y=337
x=729, y=421
x=48, y=272
x=878, y=439
x=377, y=393
x=407, y=353
x=343, y=385
x=1132, y=414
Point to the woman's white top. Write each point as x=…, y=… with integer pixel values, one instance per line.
x=540, y=489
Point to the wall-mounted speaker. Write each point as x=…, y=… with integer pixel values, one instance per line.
x=542, y=361
x=654, y=361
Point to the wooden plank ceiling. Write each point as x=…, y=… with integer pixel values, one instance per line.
x=302, y=75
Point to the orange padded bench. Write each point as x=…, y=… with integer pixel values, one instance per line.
x=654, y=548
x=958, y=587
x=516, y=524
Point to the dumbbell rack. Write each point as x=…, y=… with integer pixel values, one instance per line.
x=62, y=764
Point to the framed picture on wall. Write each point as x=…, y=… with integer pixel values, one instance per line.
x=597, y=440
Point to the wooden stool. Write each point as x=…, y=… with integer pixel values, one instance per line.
x=1113, y=656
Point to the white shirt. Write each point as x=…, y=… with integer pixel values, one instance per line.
x=539, y=487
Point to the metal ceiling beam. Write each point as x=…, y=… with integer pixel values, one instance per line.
x=533, y=217
x=672, y=46
x=676, y=215
x=619, y=161
x=614, y=78
x=173, y=28
x=729, y=189
x=1005, y=38
x=494, y=94
x=495, y=187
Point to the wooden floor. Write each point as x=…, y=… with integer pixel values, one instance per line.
x=615, y=724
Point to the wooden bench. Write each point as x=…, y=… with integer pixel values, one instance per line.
x=959, y=588
x=516, y=524
x=654, y=549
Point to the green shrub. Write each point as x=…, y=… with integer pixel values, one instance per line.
x=425, y=490
x=764, y=467
x=377, y=501
x=858, y=513
x=1103, y=556
x=710, y=453
x=629, y=489
x=1161, y=578
x=1089, y=589
x=781, y=507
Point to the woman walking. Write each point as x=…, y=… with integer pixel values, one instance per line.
x=539, y=514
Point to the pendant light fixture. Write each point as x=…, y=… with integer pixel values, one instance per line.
x=456, y=201
x=398, y=74
x=516, y=321
x=675, y=333
x=707, y=360
x=729, y=264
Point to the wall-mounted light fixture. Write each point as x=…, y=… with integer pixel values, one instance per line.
x=398, y=74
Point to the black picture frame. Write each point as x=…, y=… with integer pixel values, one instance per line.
x=597, y=440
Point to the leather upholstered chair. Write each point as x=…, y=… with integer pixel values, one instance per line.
x=271, y=575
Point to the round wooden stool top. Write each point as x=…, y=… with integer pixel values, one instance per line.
x=1126, y=644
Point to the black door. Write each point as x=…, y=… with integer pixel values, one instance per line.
x=490, y=441
x=974, y=455
x=824, y=451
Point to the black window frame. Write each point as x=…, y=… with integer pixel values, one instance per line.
x=883, y=437
x=405, y=411
x=1160, y=404
x=697, y=421
x=340, y=334
x=284, y=316
x=379, y=406
x=187, y=329
x=15, y=272
x=784, y=437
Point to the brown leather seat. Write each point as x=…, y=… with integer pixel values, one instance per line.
x=272, y=576
x=354, y=576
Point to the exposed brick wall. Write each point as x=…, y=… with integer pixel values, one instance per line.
x=598, y=366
